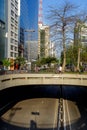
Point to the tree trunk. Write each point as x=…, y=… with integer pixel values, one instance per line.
x=78, y=60
x=64, y=60
x=64, y=50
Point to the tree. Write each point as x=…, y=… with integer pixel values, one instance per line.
x=84, y=54
x=6, y=63
x=72, y=55
x=62, y=23
x=79, y=27
x=42, y=46
x=47, y=60
x=20, y=61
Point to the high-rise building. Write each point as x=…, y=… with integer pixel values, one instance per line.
x=32, y=50
x=80, y=34
x=28, y=21
x=2, y=29
x=29, y=15
x=43, y=34
x=12, y=20
x=52, y=52
x=43, y=41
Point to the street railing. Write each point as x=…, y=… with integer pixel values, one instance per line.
x=11, y=80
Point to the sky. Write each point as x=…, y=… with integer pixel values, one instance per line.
x=47, y=3
x=54, y=3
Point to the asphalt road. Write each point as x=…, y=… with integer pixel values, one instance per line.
x=75, y=108
x=43, y=113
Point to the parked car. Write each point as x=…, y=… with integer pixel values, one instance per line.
x=84, y=65
x=69, y=67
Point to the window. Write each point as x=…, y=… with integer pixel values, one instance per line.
x=16, y=23
x=12, y=20
x=12, y=1
x=16, y=29
x=11, y=54
x=12, y=6
x=12, y=40
x=12, y=33
x=16, y=36
x=16, y=10
x=12, y=12
x=16, y=3
x=16, y=42
x=15, y=48
x=12, y=26
x=15, y=54
x=16, y=17
x=12, y=47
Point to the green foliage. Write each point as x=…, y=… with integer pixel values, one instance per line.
x=51, y=60
x=20, y=60
x=47, y=60
x=84, y=54
x=42, y=47
x=71, y=55
x=6, y=62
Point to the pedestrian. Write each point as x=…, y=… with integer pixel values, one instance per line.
x=60, y=69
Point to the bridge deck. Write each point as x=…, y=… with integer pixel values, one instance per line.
x=11, y=80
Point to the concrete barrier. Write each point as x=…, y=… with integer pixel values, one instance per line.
x=12, y=80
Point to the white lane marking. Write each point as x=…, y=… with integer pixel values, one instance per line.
x=55, y=116
x=68, y=113
x=64, y=115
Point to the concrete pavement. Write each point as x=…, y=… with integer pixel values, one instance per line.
x=40, y=113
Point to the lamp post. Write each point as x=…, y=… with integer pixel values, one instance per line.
x=29, y=39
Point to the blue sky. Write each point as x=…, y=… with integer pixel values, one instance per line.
x=47, y=3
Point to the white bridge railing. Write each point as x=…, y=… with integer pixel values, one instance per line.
x=12, y=80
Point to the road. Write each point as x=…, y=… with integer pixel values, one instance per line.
x=75, y=108
x=57, y=108
x=39, y=113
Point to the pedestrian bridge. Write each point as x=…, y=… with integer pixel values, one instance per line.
x=13, y=80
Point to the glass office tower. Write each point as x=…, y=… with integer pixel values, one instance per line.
x=28, y=22
x=29, y=15
x=2, y=29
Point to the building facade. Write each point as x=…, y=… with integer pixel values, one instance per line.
x=80, y=34
x=28, y=22
x=2, y=30
x=12, y=23
x=43, y=41
x=52, y=52
x=32, y=50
